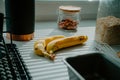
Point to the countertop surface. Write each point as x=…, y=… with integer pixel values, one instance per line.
x=42, y=68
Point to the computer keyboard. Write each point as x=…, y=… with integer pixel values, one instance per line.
x=12, y=66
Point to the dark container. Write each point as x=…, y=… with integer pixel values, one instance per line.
x=1, y=23
x=93, y=66
x=20, y=18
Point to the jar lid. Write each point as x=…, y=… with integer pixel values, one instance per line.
x=70, y=8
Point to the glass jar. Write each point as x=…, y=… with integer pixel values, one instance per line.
x=69, y=17
x=108, y=22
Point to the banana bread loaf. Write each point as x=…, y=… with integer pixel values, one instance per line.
x=108, y=30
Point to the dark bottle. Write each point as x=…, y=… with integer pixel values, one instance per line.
x=1, y=23
x=20, y=19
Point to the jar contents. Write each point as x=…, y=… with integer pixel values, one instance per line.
x=68, y=24
x=68, y=18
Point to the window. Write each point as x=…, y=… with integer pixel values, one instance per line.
x=47, y=9
x=66, y=0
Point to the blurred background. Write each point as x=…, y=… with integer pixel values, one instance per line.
x=47, y=10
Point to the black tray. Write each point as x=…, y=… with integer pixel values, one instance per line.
x=93, y=66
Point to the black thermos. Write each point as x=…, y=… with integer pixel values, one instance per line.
x=1, y=23
x=20, y=18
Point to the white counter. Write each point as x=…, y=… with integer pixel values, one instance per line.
x=42, y=68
